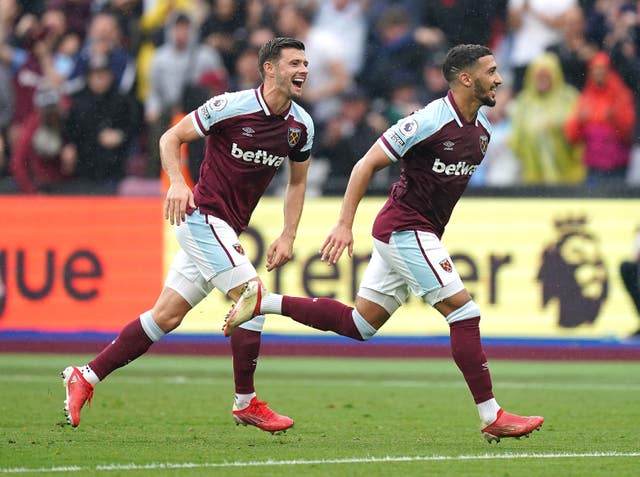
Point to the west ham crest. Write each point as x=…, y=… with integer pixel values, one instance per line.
x=484, y=142
x=238, y=248
x=293, y=136
x=446, y=265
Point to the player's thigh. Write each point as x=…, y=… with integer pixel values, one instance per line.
x=423, y=263
x=170, y=309
x=373, y=312
x=382, y=290
x=211, y=244
x=184, y=277
x=215, y=250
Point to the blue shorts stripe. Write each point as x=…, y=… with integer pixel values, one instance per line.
x=408, y=246
x=208, y=244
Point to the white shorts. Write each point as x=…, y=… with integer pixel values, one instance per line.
x=211, y=256
x=412, y=260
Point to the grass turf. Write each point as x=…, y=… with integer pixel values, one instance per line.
x=170, y=416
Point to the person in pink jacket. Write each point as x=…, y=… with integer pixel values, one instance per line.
x=603, y=120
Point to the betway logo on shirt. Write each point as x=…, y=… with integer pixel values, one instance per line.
x=259, y=157
x=459, y=169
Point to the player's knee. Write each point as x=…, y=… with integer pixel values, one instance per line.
x=167, y=319
x=365, y=328
x=465, y=312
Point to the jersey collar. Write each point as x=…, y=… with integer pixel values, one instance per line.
x=265, y=107
x=451, y=104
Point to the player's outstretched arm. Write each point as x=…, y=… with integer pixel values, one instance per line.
x=341, y=236
x=179, y=193
x=281, y=250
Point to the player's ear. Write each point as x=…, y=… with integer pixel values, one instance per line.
x=465, y=79
x=269, y=68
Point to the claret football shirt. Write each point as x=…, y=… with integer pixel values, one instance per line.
x=439, y=151
x=246, y=143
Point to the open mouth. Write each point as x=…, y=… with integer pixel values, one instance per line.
x=298, y=82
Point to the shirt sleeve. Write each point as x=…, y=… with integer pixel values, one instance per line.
x=205, y=116
x=304, y=152
x=400, y=137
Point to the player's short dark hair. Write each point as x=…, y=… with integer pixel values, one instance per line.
x=460, y=57
x=271, y=50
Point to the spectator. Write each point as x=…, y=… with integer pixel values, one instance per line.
x=99, y=129
x=345, y=19
x=434, y=84
x=152, y=34
x=128, y=14
x=463, y=21
x=245, y=74
x=394, y=50
x=536, y=26
x=348, y=136
x=604, y=120
x=598, y=21
x=36, y=161
x=624, y=43
x=223, y=27
x=76, y=12
x=6, y=113
x=36, y=71
x=540, y=112
x=630, y=273
x=104, y=39
x=403, y=96
x=574, y=51
x=179, y=62
x=328, y=73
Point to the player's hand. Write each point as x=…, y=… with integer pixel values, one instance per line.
x=175, y=203
x=280, y=252
x=339, y=238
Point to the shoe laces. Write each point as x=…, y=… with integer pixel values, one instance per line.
x=260, y=408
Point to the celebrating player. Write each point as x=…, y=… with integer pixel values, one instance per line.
x=440, y=147
x=249, y=135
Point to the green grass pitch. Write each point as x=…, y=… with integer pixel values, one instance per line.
x=170, y=416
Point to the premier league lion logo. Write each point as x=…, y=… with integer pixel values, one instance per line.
x=573, y=272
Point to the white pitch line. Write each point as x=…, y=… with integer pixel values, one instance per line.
x=149, y=380
x=354, y=460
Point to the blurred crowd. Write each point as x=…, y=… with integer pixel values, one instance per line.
x=88, y=86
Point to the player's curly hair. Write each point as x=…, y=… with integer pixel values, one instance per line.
x=270, y=51
x=460, y=57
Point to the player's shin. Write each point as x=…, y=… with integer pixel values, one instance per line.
x=467, y=351
x=327, y=315
x=133, y=341
x=245, y=348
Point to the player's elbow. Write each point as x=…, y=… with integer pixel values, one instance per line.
x=169, y=140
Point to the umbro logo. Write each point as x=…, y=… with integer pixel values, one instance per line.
x=248, y=131
x=448, y=145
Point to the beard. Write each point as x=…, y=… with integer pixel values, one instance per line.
x=482, y=94
x=286, y=84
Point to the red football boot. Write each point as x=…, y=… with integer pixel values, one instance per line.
x=258, y=414
x=79, y=392
x=511, y=425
